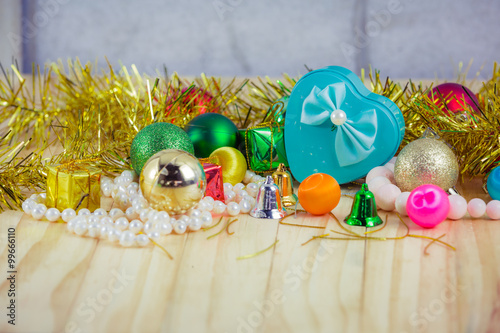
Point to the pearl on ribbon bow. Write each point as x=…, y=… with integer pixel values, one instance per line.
x=354, y=133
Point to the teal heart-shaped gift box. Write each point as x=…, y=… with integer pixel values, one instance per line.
x=335, y=125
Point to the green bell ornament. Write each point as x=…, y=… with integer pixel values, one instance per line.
x=364, y=209
x=210, y=131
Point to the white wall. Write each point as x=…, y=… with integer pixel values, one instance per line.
x=10, y=32
x=402, y=38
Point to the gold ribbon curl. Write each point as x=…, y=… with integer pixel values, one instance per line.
x=351, y=235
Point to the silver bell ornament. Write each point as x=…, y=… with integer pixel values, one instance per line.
x=268, y=203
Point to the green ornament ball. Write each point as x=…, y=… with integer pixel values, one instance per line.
x=210, y=131
x=154, y=138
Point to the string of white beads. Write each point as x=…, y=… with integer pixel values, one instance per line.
x=388, y=197
x=133, y=222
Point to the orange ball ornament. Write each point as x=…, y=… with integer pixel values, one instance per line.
x=319, y=194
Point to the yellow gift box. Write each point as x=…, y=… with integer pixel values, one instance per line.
x=73, y=186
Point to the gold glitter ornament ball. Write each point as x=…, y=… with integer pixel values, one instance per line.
x=173, y=180
x=426, y=161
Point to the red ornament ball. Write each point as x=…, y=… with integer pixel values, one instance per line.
x=200, y=99
x=194, y=99
x=456, y=97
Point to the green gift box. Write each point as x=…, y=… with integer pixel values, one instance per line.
x=265, y=147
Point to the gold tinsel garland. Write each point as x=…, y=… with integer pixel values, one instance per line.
x=474, y=136
x=18, y=174
x=86, y=113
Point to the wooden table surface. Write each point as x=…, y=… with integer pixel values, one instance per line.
x=68, y=283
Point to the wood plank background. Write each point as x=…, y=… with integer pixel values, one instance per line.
x=67, y=283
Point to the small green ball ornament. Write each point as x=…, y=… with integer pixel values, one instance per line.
x=154, y=138
x=210, y=131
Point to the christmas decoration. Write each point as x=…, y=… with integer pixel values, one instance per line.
x=268, y=203
x=335, y=125
x=265, y=147
x=380, y=171
x=458, y=207
x=473, y=135
x=137, y=224
x=364, y=209
x=173, y=180
x=277, y=114
x=476, y=208
x=73, y=185
x=261, y=96
x=233, y=163
x=493, y=183
x=98, y=111
x=428, y=205
x=196, y=99
x=69, y=91
x=400, y=203
x=386, y=197
x=210, y=131
x=19, y=174
x=319, y=193
x=375, y=183
x=242, y=142
x=215, y=184
x=389, y=196
x=283, y=180
x=154, y=138
x=426, y=161
x=493, y=209
x=454, y=98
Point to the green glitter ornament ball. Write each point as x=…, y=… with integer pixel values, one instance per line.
x=210, y=131
x=154, y=138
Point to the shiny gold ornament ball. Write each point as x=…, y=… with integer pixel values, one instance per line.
x=233, y=163
x=426, y=161
x=173, y=180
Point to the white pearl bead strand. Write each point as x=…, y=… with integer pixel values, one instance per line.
x=134, y=223
x=388, y=197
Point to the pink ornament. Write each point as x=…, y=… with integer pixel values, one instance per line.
x=428, y=205
x=455, y=96
x=458, y=207
x=401, y=203
x=386, y=196
x=493, y=209
x=380, y=171
x=476, y=208
x=376, y=182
